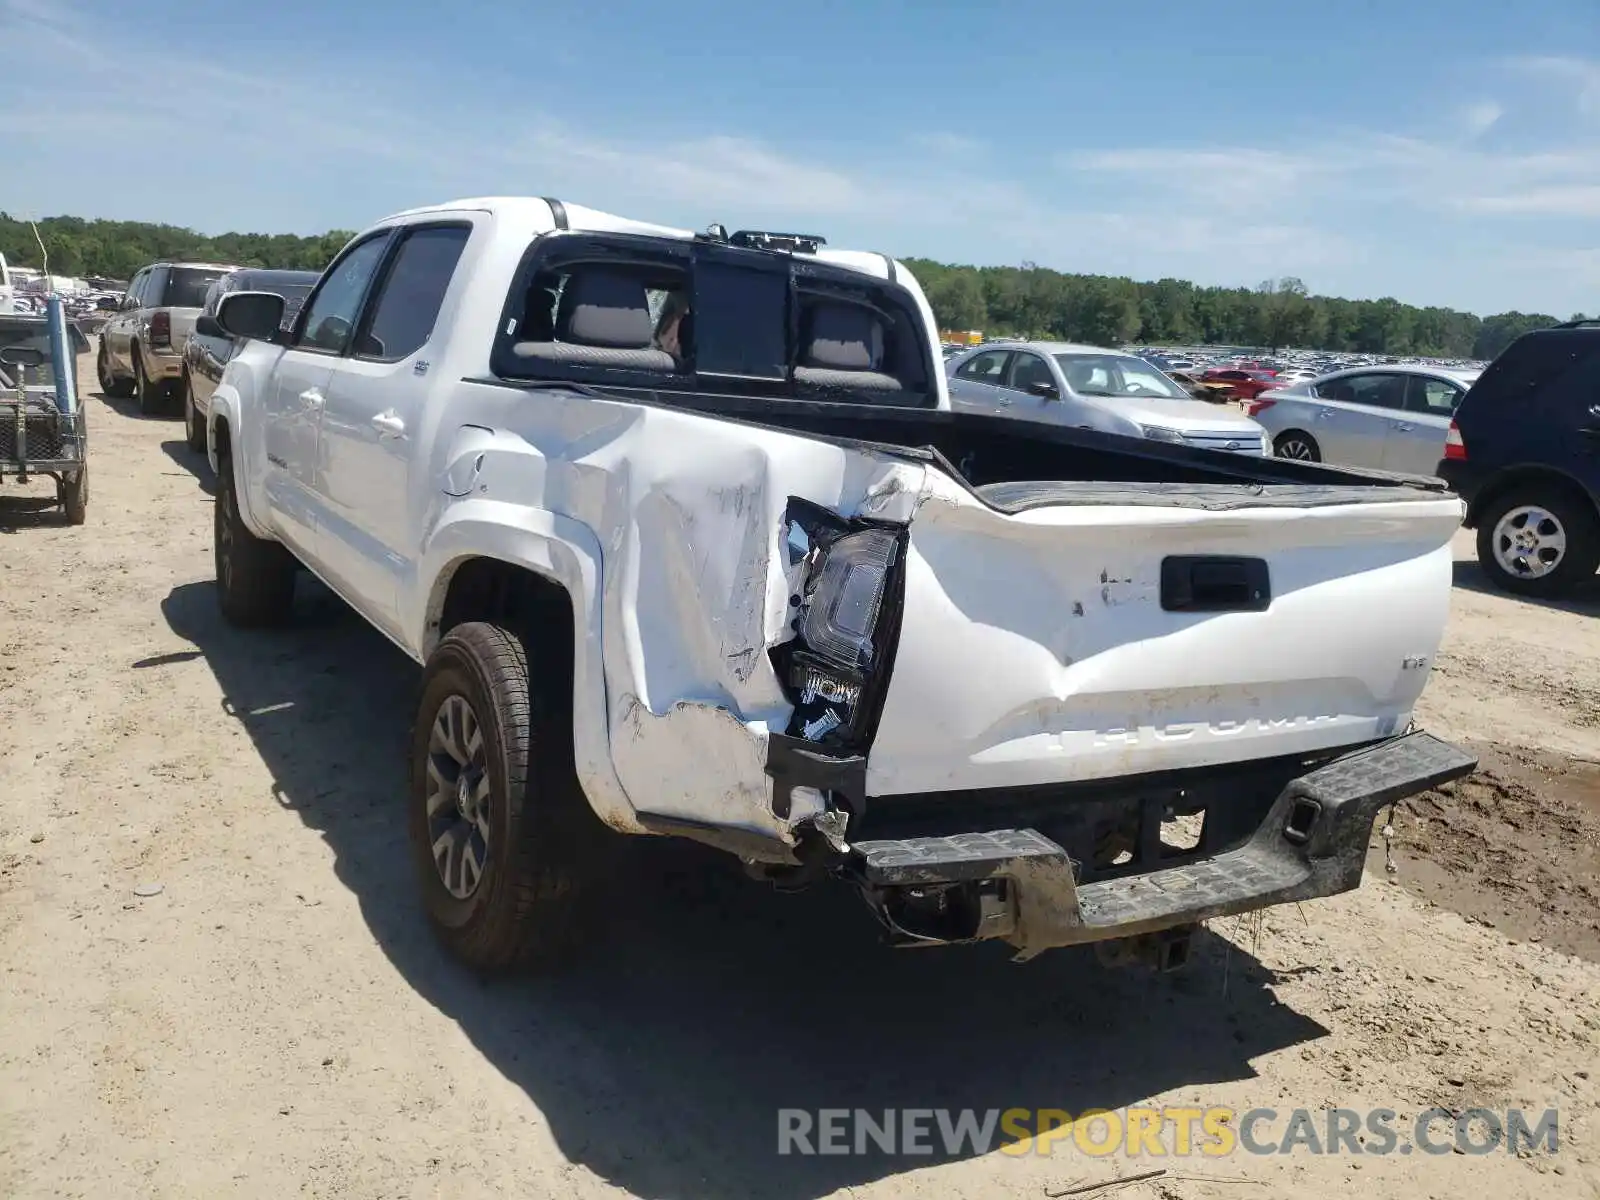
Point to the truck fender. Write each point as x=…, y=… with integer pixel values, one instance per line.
x=567, y=553
x=225, y=408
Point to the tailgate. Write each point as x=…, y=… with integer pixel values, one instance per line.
x=1040, y=643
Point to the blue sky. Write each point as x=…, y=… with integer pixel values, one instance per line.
x=1443, y=153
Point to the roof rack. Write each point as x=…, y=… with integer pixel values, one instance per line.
x=1583, y=324
x=760, y=239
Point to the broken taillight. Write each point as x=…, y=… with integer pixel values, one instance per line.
x=1454, y=447
x=1258, y=405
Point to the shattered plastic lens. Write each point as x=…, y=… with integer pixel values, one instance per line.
x=843, y=611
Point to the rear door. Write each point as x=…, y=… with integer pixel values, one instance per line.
x=294, y=399
x=374, y=404
x=1415, y=442
x=117, y=331
x=1354, y=415
x=975, y=384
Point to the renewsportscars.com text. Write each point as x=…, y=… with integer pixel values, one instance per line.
x=1163, y=1132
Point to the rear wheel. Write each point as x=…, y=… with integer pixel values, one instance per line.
x=110, y=385
x=194, y=432
x=497, y=816
x=255, y=576
x=73, y=496
x=146, y=391
x=1539, y=541
x=1297, y=445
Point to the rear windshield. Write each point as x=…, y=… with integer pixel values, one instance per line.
x=708, y=317
x=186, y=286
x=1532, y=365
x=294, y=295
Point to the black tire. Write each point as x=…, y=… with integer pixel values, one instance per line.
x=194, y=433
x=145, y=390
x=1298, y=445
x=255, y=576
x=110, y=385
x=532, y=830
x=1572, y=516
x=73, y=496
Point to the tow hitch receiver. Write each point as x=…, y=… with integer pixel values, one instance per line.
x=1018, y=886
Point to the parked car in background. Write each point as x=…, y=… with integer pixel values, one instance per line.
x=141, y=346
x=205, y=355
x=1391, y=418
x=1242, y=384
x=1091, y=387
x=1212, y=393
x=1524, y=452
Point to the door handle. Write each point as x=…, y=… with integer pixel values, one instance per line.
x=311, y=398
x=1401, y=426
x=388, y=424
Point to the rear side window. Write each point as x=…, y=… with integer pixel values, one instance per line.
x=1531, y=366
x=187, y=287
x=411, y=292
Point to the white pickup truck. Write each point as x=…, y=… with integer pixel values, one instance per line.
x=689, y=539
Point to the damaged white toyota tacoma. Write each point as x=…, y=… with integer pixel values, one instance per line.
x=689, y=540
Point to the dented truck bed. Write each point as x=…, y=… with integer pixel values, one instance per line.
x=1056, y=669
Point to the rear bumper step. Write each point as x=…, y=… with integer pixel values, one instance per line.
x=1018, y=886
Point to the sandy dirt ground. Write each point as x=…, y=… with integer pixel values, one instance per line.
x=275, y=1019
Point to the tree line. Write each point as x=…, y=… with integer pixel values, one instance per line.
x=116, y=249
x=1026, y=300
x=1033, y=301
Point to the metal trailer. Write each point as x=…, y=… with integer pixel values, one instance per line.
x=42, y=425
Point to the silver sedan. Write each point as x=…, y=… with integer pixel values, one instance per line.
x=1394, y=418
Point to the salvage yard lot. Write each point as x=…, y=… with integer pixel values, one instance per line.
x=276, y=1019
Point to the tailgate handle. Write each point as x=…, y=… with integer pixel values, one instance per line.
x=1213, y=583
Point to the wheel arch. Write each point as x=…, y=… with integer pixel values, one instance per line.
x=1526, y=475
x=483, y=564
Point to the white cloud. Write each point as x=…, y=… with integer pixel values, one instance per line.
x=1479, y=118
x=1578, y=77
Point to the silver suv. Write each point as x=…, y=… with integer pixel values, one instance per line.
x=141, y=346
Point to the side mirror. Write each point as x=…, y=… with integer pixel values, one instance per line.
x=255, y=315
x=107, y=304
x=1048, y=390
x=206, y=326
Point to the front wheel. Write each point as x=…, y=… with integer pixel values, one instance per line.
x=494, y=805
x=194, y=432
x=255, y=576
x=1297, y=445
x=1539, y=541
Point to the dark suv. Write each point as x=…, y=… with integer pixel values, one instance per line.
x=1524, y=452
